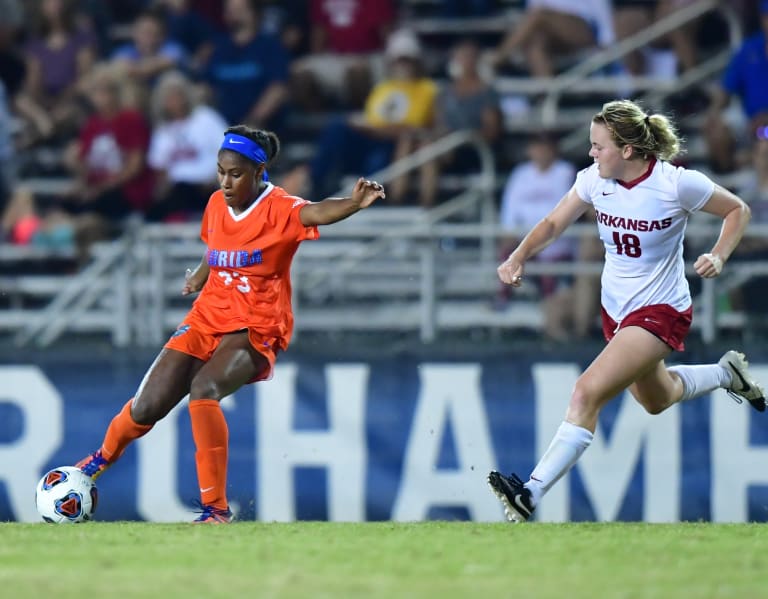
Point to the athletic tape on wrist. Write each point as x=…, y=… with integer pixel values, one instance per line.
x=716, y=262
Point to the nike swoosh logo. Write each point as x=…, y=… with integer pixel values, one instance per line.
x=521, y=505
x=206, y=489
x=234, y=141
x=745, y=386
x=609, y=193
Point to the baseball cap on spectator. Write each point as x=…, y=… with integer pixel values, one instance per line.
x=404, y=44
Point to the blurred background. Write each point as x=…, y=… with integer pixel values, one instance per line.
x=412, y=371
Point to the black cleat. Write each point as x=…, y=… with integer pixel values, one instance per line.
x=515, y=498
x=743, y=386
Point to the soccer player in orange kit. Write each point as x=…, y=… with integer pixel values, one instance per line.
x=242, y=317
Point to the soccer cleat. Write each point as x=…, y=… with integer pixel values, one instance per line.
x=213, y=515
x=93, y=465
x=515, y=498
x=743, y=386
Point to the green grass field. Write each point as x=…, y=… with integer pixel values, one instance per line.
x=435, y=559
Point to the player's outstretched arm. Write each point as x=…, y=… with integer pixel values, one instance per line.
x=568, y=209
x=195, y=279
x=736, y=215
x=332, y=210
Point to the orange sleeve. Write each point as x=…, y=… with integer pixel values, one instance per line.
x=293, y=225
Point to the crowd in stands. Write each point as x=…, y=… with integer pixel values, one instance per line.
x=125, y=102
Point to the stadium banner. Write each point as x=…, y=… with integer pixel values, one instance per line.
x=403, y=437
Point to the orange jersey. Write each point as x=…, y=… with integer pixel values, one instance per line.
x=250, y=257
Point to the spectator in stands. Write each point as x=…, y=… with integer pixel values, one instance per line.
x=632, y=16
x=23, y=222
x=248, y=70
x=532, y=190
x=466, y=103
x=109, y=165
x=183, y=148
x=96, y=16
x=552, y=28
x=58, y=54
x=346, y=40
x=186, y=26
x=289, y=20
x=398, y=112
x=109, y=157
x=150, y=51
x=13, y=73
x=745, y=77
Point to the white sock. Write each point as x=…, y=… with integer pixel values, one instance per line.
x=566, y=448
x=700, y=379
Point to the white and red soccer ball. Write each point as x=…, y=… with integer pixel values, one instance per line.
x=65, y=495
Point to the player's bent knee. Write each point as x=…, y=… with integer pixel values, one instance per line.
x=204, y=387
x=146, y=412
x=653, y=408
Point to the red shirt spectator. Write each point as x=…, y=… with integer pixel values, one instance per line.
x=350, y=26
x=105, y=142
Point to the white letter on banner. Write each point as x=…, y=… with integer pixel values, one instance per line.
x=553, y=384
x=158, y=467
x=735, y=465
x=22, y=461
x=448, y=392
x=341, y=449
x=607, y=466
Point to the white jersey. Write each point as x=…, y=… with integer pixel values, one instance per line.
x=642, y=224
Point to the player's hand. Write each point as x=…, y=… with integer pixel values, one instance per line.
x=511, y=271
x=708, y=266
x=192, y=284
x=367, y=192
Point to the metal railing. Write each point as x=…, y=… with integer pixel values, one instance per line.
x=429, y=289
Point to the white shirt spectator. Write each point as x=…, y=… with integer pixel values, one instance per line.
x=187, y=149
x=530, y=194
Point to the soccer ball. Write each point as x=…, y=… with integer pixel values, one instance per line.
x=66, y=495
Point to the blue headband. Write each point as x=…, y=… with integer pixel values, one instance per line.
x=246, y=147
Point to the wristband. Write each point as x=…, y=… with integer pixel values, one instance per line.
x=716, y=261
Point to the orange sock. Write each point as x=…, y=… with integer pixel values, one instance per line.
x=211, y=435
x=121, y=432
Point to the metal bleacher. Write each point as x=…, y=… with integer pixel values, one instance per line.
x=393, y=269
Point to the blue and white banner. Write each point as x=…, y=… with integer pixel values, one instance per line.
x=402, y=438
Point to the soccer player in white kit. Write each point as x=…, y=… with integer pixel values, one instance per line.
x=642, y=203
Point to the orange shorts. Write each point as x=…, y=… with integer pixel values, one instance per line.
x=201, y=344
x=662, y=320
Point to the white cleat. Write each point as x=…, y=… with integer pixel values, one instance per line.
x=743, y=386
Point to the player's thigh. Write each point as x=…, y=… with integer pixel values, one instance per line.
x=655, y=389
x=630, y=355
x=164, y=385
x=234, y=363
